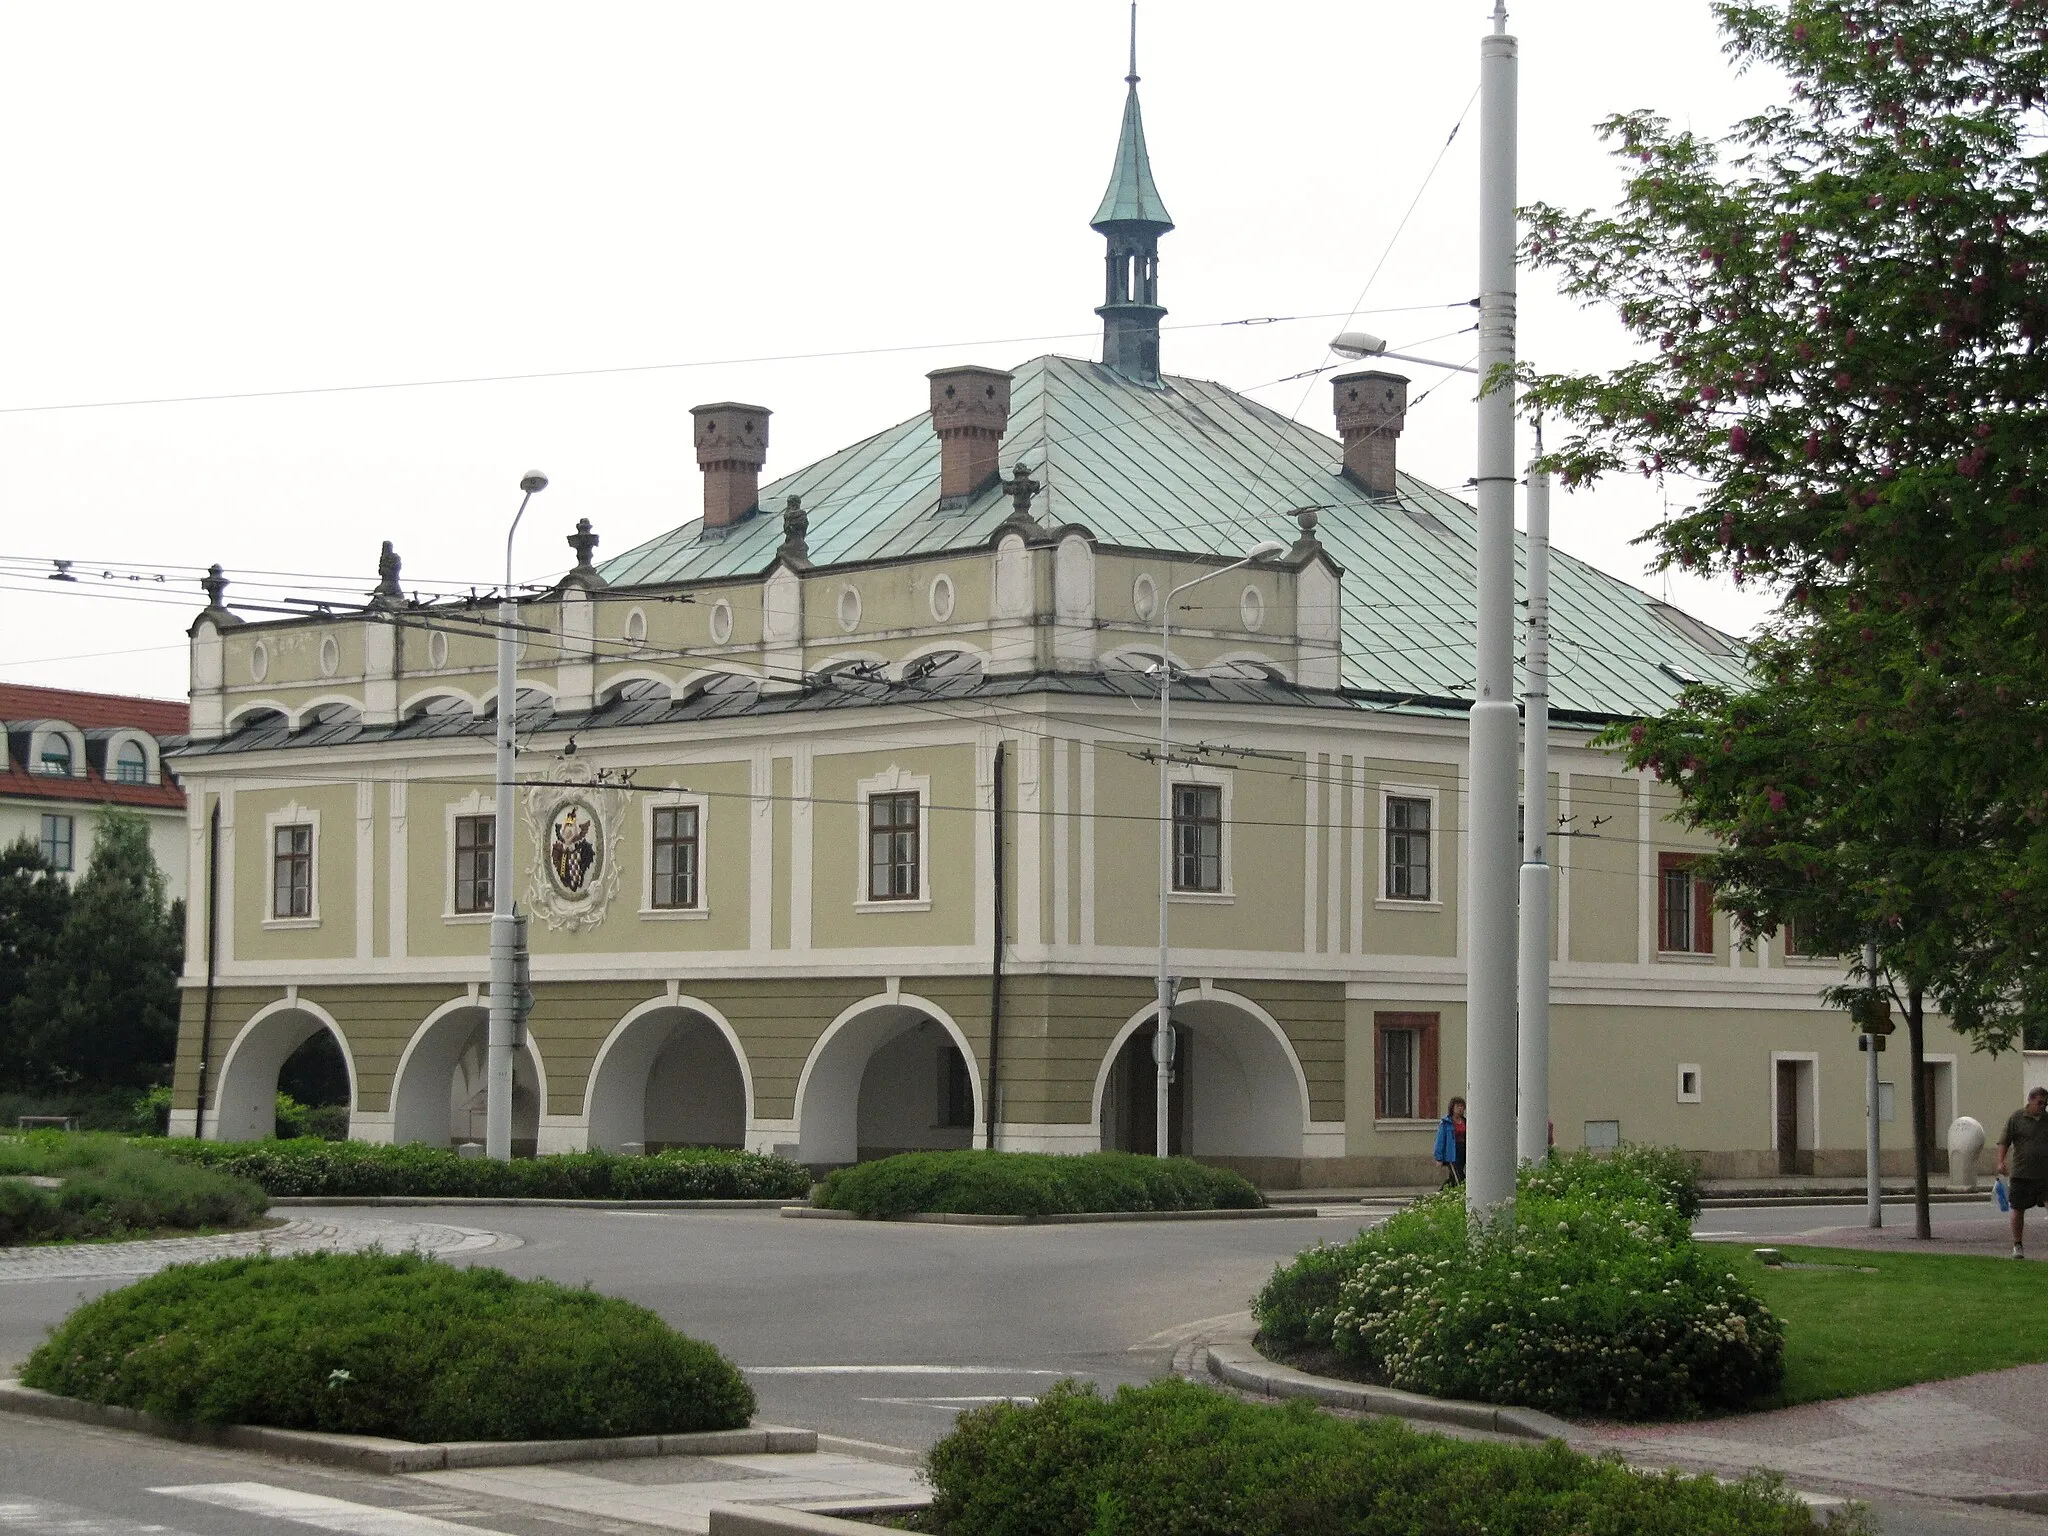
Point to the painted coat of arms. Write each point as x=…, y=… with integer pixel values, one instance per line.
x=575, y=819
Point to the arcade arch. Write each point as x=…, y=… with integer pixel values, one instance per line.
x=437, y=1095
x=244, y=1104
x=1238, y=1091
x=890, y=1074
x=670, y=1074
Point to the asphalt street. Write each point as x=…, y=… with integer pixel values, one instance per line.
x=868, y=1331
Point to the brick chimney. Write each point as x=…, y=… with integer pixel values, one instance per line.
x=970, y=410
x=732, y=445
x=1371, y=408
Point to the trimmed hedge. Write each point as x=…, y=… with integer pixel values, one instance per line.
x=313, y=1167
x=112, y=1188
x=1598, y=1302
x=1032, y=1184
x=388, y=1344
x=1177, y=1459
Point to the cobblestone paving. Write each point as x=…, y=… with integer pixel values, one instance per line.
x=94, y=1261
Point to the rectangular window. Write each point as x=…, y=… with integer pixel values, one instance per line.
x=1685, y=907
x=1405, y=1066
x=892, y=847
x=1408, y=848
x=291, y=892
x=55, y=841
x=1796, y=938
x=1197, y=837
x=476, y=852
x=956, y=1090
x=675, y=857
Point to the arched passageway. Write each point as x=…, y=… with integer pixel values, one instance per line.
x=887, y=1077
x=669, y=1076
x=244, y=1106
x=1237, y=1091
x=438, y=1096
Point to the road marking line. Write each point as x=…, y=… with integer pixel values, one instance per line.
x=319, y=1511
x=897, y=1370
x=46, y=1519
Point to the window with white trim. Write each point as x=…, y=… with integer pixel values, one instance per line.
x=1198, y=837
x=1409, y=847
x=676, y=844
x=131, y=763
x=56, y=843
x=895, y=829
x=291, y=871
x=55, y=758
x=476, y=855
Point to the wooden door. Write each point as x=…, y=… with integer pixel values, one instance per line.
x=1788, y=1117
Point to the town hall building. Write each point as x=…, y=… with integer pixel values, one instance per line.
x=838, y=811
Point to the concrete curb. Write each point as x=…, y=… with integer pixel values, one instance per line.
x=1235, y=1363
x=371, y=1453
x=1059, y=1219
x=1761, y=1202
x=482, y=1200
x=766, y=1520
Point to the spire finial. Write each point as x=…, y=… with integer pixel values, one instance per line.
x=1132, y=77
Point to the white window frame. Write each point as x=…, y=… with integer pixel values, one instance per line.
x=671, y=799
x=893, y=781
x=1698, y=1082
x=73, y=738
x=476, y=803
x=1811, y=1059
x=152, y=772
x=292, y=814
x=1386, y=899
x=1226, y=887
x=70, y=840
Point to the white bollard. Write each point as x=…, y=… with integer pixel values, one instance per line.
x=1965, y=1141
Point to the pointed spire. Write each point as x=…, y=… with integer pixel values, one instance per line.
x=1132, y=197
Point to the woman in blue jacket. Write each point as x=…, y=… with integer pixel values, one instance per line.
x=1450, y=1143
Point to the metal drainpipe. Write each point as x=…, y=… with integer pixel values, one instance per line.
x=995, y=985
x=212, y=956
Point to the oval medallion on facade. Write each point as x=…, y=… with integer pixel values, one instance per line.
x=575, y=849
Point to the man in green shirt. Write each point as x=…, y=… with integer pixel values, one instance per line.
x=2025, y=1143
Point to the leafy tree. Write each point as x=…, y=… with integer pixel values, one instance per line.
x=1840, y=813
x=101, y=1007
x=34, y=901
x=1842, y=307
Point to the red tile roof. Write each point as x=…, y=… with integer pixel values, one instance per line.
x=93, y=711
x=20, y=703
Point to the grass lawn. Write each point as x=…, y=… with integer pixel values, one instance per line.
x=1921, y=1317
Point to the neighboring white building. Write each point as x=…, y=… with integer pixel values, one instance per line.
x=70, y=753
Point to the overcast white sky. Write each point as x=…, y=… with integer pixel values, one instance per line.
x=219, y=198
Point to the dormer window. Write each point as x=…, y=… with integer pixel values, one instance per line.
x=56, y=756
x=131, y=764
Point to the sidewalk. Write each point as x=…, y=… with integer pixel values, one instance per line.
x=1975, y=1438
x=1985, y=1236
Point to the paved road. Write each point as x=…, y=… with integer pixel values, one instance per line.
x=868, y=1331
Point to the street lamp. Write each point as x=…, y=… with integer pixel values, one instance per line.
x=504, y=928
x=1357, y=345
x=1162, y=1037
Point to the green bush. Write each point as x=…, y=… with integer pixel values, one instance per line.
x=1598, y=1302
x=112, y=1189
x=1032, y=1184
x=388, y=1344
x=95, y=1109
x=315, y=1122
x=356, y=1168
x=1176, y=1459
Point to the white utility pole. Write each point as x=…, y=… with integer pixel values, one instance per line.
x=1162, y=1039
x=1490, y=966
x=1874, y=1196
x=504, y=931
x=1533, y=1135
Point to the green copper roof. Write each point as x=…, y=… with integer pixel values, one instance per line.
x=1132, y=198
x=1192, y=465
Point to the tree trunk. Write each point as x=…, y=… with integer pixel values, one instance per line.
x=1923, y=1111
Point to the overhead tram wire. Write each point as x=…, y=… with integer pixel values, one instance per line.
x=635, y=368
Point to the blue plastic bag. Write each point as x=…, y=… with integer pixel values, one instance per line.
x=1998, y=1193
